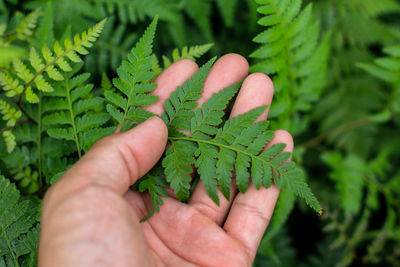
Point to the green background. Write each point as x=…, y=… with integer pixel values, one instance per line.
x=342, y=104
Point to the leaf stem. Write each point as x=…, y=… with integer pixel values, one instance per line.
x=39, y=140
x=78, y=147
x=10, y=247
x=221, y=145
x=25, y=112
x=12, y=127
x=8, y=34
x=340, y=129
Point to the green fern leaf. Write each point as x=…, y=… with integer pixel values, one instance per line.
x=27, y=179
x=46, y=62
x=10, y=114
x=178, y=163
x=25, y=28
x=385, y=68
x=191, y=52
x=155, y=185
x=69, y=114
x=178, y=108
x=287, y=53
x=348, y=175
x=17, y=217
x=9, y=139
x=217, y=150
x=11, y=86
x=134, y=82
x=136, y=11
x=89, y=137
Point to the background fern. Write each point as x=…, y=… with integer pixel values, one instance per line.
x=341, y=104
x=18, y=234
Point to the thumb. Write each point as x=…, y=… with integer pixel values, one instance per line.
x=119, y=160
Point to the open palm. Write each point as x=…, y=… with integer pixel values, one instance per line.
x=90, y=218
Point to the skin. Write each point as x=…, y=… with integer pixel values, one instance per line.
x=91, y=217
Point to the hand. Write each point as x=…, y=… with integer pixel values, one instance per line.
x=91, y=217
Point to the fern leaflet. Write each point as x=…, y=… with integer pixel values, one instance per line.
x=25, y=28
x=178, y=108
x=385, y=68
x=191, y=52
x=134, y=82
x=155, y=185
x=17, y=218
x=72, y=114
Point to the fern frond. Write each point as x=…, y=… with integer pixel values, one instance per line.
x=11, y=86
x=348, y=175
x=178, y=108
x=155, y=185
x=72, y=116
x=46, y=62
x=178, y=163
x=191, y=52
x=25, y=29
x=136, y=11
x=17, y=218
x=385, y=68
x=286, y=47
x=9, y=139
x=28, y=180
x=10, y=114
x=134, y=83
x=235, y=146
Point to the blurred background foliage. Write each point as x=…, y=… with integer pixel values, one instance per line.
x=340, y=97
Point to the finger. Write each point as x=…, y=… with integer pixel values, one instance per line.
x=251, y=212
x=116, y=161
x=228, y=70
x=167, y=82
x=257, y=90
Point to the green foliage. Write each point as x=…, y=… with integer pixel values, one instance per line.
x=134, y=82
x=45, y=62
x=72, y=114
x=25, y=28
x=18, y=235
x=343, y=115
x=227, y=9
x=155, y=185
x=292, y=52
x=216, y=148
x=113, y=45
x=193, y=52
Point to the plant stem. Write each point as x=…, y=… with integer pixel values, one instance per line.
x=24, y=111
x=12, y=127
x=220, y=145
x=8, y=34
x=342, y=128
x=78, y=147
x=11, y=248
x=39, y=140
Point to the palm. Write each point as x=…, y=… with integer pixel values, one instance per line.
x=181, y=234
